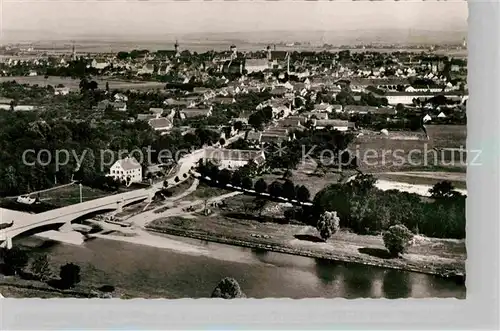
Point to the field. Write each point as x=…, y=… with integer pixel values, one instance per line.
x=430, y=255
x=73, y=84
x=405, y=151
x=69, y=195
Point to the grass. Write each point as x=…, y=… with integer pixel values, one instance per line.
x=419, y=180
x=204, y=191
x=70, y=195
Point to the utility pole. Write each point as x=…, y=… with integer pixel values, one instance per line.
x=81, y=197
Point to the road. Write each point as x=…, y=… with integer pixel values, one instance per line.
x=142, y=219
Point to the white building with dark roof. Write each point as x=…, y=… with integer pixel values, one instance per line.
x=127, y=169
x=233, y=158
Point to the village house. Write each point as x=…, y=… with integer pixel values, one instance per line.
x=256, y=65
x=253, y=137
x=233, y=158
x=339, y=125
x=120, y=97
x=180, y=103
x=195, y=112
x=355, y=109
x=61, y=91
x=99, y=64
x=158, y=112
x=146, y=117
x=322, y=108
x=315, y=115
x=223, y=100
x=127, y=169
x=146, y=69
x=161, y=124
x=296, y=122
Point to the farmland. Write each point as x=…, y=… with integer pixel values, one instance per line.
x=73, y=84
x=405, y=151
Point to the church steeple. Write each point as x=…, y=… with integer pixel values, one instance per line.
x=176, y=48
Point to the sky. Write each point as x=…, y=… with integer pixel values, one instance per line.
x=52, y=18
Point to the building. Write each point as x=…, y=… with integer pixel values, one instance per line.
x=256, y=65
x=339, y=125
x=161, y=124
x=127, y=169
x=233, y=158
x=99, y=64
x=61, y=91
x=195, y=112
x=121, y=97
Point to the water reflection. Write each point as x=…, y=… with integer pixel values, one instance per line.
x=397, y=284
x=327, y=270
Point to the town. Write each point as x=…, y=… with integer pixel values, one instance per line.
x=264, y=149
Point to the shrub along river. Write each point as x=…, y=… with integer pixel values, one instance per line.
x=194, y=267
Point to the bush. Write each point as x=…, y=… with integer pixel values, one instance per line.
x=275, y=189
x=228, y=288
x=41, y=267
x=176, y=179
x=397, y=239
x=246, y=183
x=303, y=194
x=328, y=224
x=260, y=186
x=15, y=259
x=70, y=275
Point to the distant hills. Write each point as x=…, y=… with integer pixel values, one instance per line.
x=343, y=37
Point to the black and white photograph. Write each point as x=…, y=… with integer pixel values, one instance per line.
x=231, y=150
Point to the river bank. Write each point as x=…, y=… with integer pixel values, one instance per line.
x=440, y=257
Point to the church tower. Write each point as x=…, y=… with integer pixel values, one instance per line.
x=73, y=53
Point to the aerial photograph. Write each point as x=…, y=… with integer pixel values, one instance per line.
x=209, y=149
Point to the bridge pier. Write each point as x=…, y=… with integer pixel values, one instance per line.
x=66, y=228
x=8, y=243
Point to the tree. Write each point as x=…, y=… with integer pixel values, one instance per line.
x=260, y=186
x=397, y=239
x=442, y=190
x=303, y=194
x=228, y=288
x=287, y=174
x=400, y=107
x=41, y=267
x=288, y=189
x=246, y=183
x=275, y=189
x=15, y=259
x=236, y=179
x=69, y=274
x=362, y=183
x=222, y=141
x=238, y=125
x=328, y=224
x=259, y=205
x=13, y=105
x=224, y=177
x=93, y=85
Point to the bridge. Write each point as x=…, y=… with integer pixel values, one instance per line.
x=24, y=222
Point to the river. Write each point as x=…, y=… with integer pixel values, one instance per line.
x=195, y=267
